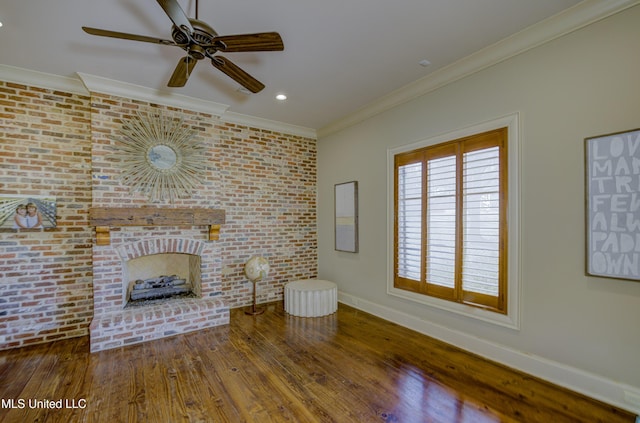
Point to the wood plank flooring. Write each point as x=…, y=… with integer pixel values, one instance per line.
x=347, y=367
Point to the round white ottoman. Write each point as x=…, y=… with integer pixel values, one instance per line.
x=310, y=298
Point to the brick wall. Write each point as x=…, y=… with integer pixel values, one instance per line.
x=45, y=276
x=265, y=181
x=61, y=144
x=268, y=188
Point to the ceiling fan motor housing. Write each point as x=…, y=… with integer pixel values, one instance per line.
x=202, y=35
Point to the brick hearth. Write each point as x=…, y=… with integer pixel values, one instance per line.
x=141, y=324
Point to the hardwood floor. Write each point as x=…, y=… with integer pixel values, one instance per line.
x=347, y=367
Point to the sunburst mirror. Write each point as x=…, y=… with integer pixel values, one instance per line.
x=160, y=157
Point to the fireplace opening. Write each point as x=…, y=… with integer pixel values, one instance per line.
x=158, y=278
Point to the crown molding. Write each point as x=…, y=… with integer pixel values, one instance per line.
x=123, y=89
x=565, y=22
x=42, y=80
x=270, y=125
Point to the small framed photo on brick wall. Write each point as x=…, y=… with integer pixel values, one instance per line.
x=27, y=212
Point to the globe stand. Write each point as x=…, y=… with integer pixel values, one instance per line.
x=254, y=311
x=256, y=269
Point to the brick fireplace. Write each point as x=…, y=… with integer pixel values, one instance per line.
x=114, y=325
x=126, y=235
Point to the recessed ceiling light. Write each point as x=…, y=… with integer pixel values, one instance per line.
x=0, y=24
x=424, y=63
x=281, y=97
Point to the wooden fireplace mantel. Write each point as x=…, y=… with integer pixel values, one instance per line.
x=105, y=218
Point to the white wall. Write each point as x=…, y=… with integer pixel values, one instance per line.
x=580, y=328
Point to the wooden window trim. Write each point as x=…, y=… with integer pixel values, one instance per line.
x=497, y=137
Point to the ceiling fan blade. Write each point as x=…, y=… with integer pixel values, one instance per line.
x=126, y=36
x=263, y=41
x=182, y=72
x=177, y=15
x=237, y=74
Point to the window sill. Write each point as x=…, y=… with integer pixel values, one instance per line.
x=510, y=320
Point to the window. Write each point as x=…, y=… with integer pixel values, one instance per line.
x=450, y=220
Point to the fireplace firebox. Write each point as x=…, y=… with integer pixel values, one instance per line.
x=158, y=278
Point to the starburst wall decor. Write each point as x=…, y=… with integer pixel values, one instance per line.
x=160, y=158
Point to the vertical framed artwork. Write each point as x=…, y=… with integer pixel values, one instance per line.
x=612, y=186
x=346, y=216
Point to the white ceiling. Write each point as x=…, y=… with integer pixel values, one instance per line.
x=339, y=55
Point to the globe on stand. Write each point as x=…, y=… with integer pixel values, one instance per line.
x=256, y=269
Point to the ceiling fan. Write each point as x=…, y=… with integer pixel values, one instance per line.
x=199, y=40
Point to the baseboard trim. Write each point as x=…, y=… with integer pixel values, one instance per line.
x=577, y=380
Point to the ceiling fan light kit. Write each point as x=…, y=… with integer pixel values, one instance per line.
x=201, y=41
